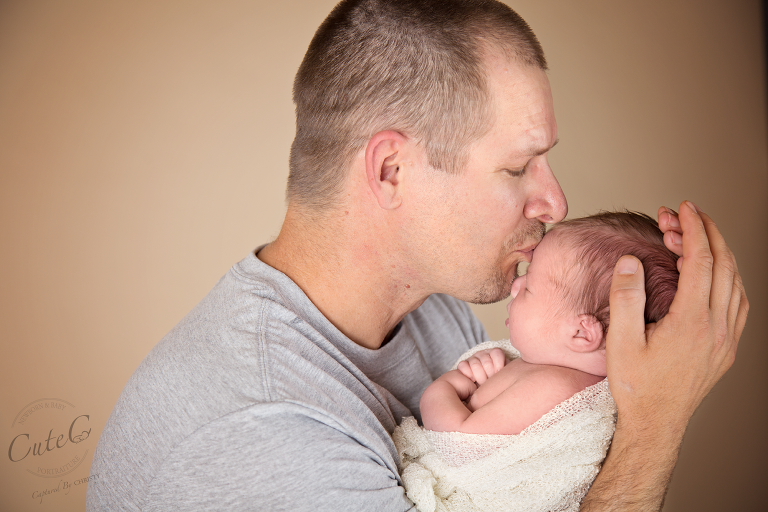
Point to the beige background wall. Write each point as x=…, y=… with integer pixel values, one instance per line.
x=143, y=150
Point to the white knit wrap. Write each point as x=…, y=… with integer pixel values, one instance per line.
x=549, y=466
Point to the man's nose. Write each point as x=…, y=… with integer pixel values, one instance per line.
x=546, y=201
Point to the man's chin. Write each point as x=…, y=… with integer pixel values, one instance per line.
x=494, y=290
x=483, y=300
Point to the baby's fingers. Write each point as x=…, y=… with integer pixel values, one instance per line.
x=499, y=359
x=473, y=369
x=465, y=370
x=482, y=365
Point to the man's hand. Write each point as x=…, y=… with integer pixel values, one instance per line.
x=482, y=365
x=660, y=373
x=691, y=348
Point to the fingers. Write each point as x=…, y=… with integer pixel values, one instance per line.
x=723, y=271
x=674, y=242
x=737, y=315
x=710, y=290
x=695, y=282
x=627, y=303
x=482, y=365
x=741, y=318
x=737, y=309
x=499, y=359
x=668, y=220
x=465, y=370
x=669, y=223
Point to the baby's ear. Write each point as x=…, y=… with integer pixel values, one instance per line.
x=588, y=336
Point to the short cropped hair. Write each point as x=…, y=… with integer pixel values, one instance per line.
x=413, y=66
x=597, y=242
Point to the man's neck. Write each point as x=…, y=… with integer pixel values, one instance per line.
x=345, y=273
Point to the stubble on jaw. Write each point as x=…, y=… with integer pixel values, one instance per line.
x=498, y=285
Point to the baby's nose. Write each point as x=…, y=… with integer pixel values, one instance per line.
x=516, y=284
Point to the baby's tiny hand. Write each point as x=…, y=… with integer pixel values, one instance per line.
x=481, y=366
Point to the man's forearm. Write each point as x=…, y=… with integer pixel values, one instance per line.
x=636, y=473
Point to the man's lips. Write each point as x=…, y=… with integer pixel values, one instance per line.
x=528, y=251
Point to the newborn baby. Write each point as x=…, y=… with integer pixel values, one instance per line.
x=551, y=394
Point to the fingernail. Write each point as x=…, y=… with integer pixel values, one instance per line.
x=677, y=238
x=673, y=220
x=692, y=207
x=626, y=266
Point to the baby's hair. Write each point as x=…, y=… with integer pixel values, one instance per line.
x=597, y=242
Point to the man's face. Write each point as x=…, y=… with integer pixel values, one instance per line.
x=480, y=224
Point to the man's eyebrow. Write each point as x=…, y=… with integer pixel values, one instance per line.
x=536, y=151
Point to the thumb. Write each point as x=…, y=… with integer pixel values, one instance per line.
x=627, y=303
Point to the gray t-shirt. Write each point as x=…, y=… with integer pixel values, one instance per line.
x=255, y=401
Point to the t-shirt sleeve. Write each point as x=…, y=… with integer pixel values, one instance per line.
x=279, y=461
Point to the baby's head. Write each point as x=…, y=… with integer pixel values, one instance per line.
x=559, y=313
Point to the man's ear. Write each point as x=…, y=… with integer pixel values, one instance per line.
x=588, y=336
x=383, y=159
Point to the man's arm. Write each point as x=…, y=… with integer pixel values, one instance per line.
x=660, y=373
x=278, y=456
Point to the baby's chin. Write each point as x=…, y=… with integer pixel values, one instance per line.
x=514, y=345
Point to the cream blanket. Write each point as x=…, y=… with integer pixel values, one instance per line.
x=547, y=467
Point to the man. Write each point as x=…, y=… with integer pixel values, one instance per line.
x=419, y=176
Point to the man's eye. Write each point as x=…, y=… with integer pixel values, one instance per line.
x=516, y=174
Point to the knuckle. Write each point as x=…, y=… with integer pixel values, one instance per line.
x=738, y=282
x=728, y=264
x=628, y=294
x=721, y=334
x=704, y=262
